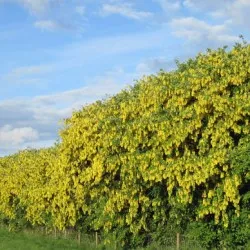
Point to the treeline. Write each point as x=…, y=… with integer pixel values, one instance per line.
x=170, y=154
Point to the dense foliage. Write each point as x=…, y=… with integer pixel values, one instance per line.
x=170, y=154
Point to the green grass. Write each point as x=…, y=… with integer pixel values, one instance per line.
x=29, y=241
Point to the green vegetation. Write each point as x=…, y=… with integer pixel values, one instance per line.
x=29, y=241
x=169, y=155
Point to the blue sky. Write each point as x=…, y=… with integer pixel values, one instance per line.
x=58, y=55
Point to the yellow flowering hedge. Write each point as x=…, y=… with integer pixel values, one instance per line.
x=128, y=160
x=174, y=130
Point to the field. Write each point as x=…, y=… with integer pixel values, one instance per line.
x=30, y=240
x=33, y=241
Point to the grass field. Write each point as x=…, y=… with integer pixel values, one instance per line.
x=29, y=241
x=37, y=241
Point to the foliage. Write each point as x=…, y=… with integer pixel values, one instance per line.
x=175, y=130
x=169, y=151
x=26, y=188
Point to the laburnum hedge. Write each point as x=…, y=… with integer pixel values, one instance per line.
x=25, y=186
x=146, y=155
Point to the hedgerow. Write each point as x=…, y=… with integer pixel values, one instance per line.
x=169, y=151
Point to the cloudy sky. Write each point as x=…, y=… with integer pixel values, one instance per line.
x=58, y=55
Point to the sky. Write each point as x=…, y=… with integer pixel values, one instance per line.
x=59, y=55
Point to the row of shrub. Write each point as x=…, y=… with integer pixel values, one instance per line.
x=170, y=154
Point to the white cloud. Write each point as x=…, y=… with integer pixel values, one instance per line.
x=34, y=122
x=235, y=10
x=217, y=14
x=51, y=25
x=34, y=6
x=54, y=15
x=126, y=10
x=16, y=136
x=196, y=30
x=31, y=70
x=238, y=12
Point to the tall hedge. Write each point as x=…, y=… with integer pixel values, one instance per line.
x=170, y=149
x=163, y=143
